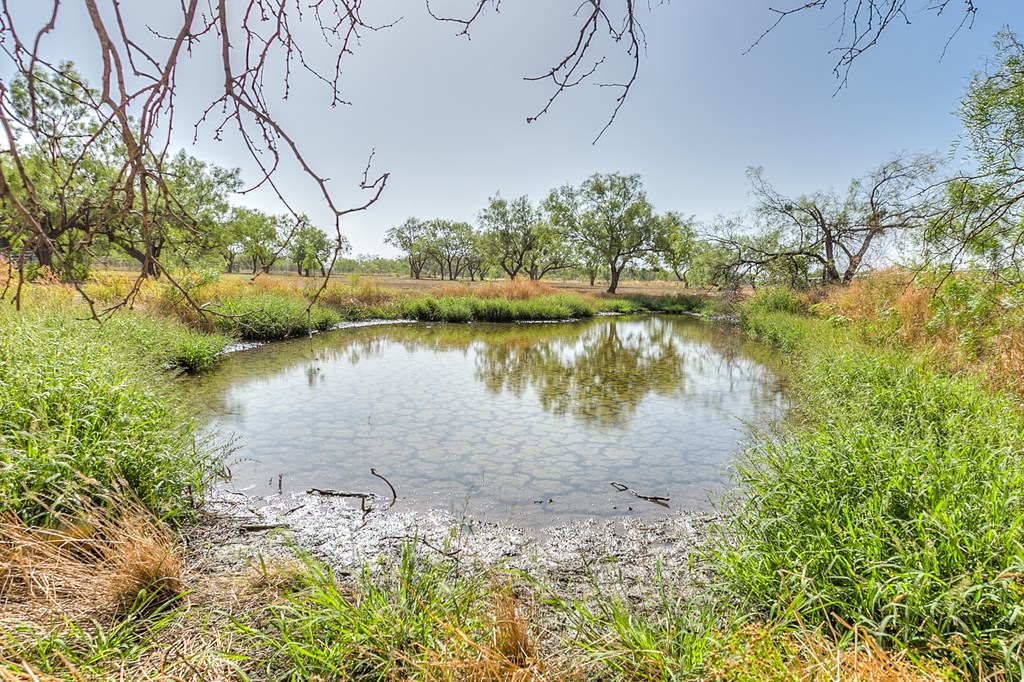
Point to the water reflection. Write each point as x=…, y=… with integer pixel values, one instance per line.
x=599, y=375
x=527, y=420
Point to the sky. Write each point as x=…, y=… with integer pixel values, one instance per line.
x=446, y=115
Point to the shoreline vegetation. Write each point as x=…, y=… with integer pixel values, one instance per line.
x=876, y=535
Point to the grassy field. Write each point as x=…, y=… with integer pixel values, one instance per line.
x=876, y=535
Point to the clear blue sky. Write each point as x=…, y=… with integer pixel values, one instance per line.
x=447, y=115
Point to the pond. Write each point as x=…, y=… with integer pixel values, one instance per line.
x=524, y=423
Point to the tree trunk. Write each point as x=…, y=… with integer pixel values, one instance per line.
x=614, y=283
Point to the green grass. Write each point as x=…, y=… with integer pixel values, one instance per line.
x=473, y=309
x=87, y=406
x=79, y=650
x=394, y=621
x=895, y=502
x=617, y=641
x=167, y=344
x=268, y=316
x=675, y=304
x=772, y=300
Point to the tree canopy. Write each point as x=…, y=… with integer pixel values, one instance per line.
x=609, y=219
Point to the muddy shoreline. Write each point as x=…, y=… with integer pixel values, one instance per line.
x=628, y=557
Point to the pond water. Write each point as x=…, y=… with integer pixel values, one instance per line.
x=529, y=423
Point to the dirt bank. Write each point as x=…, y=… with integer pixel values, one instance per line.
x=573, y=560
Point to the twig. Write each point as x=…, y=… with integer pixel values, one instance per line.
x=451, y=554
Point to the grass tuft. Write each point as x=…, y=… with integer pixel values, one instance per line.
x=409, y=619
x=102, y=562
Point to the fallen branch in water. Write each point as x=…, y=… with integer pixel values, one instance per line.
x=362, y=497
x=328, y=492
x=256, y=527
x=660, y=501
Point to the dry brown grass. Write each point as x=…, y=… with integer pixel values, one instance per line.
x=1008, y=361
x=889, y=296
x=757, y=653
x=513, y=290
x=892, y=306
x=96, y=565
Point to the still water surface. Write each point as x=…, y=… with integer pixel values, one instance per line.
x=527, y=423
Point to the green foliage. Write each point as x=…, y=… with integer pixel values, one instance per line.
x=82, y=406
x=397, y=616
x=267, y=316
x=894, y=504
x=311, y=250
x=973, y=306
x=472, y=309
x=982, y=217
x=677, y=246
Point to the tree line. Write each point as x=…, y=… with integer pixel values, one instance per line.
x=604, y=225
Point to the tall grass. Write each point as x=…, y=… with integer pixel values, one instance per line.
x=87, y=406
x=675, y=304
x=473, y=309
x=965, y=321
x=267, y=316
x=894, y=504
